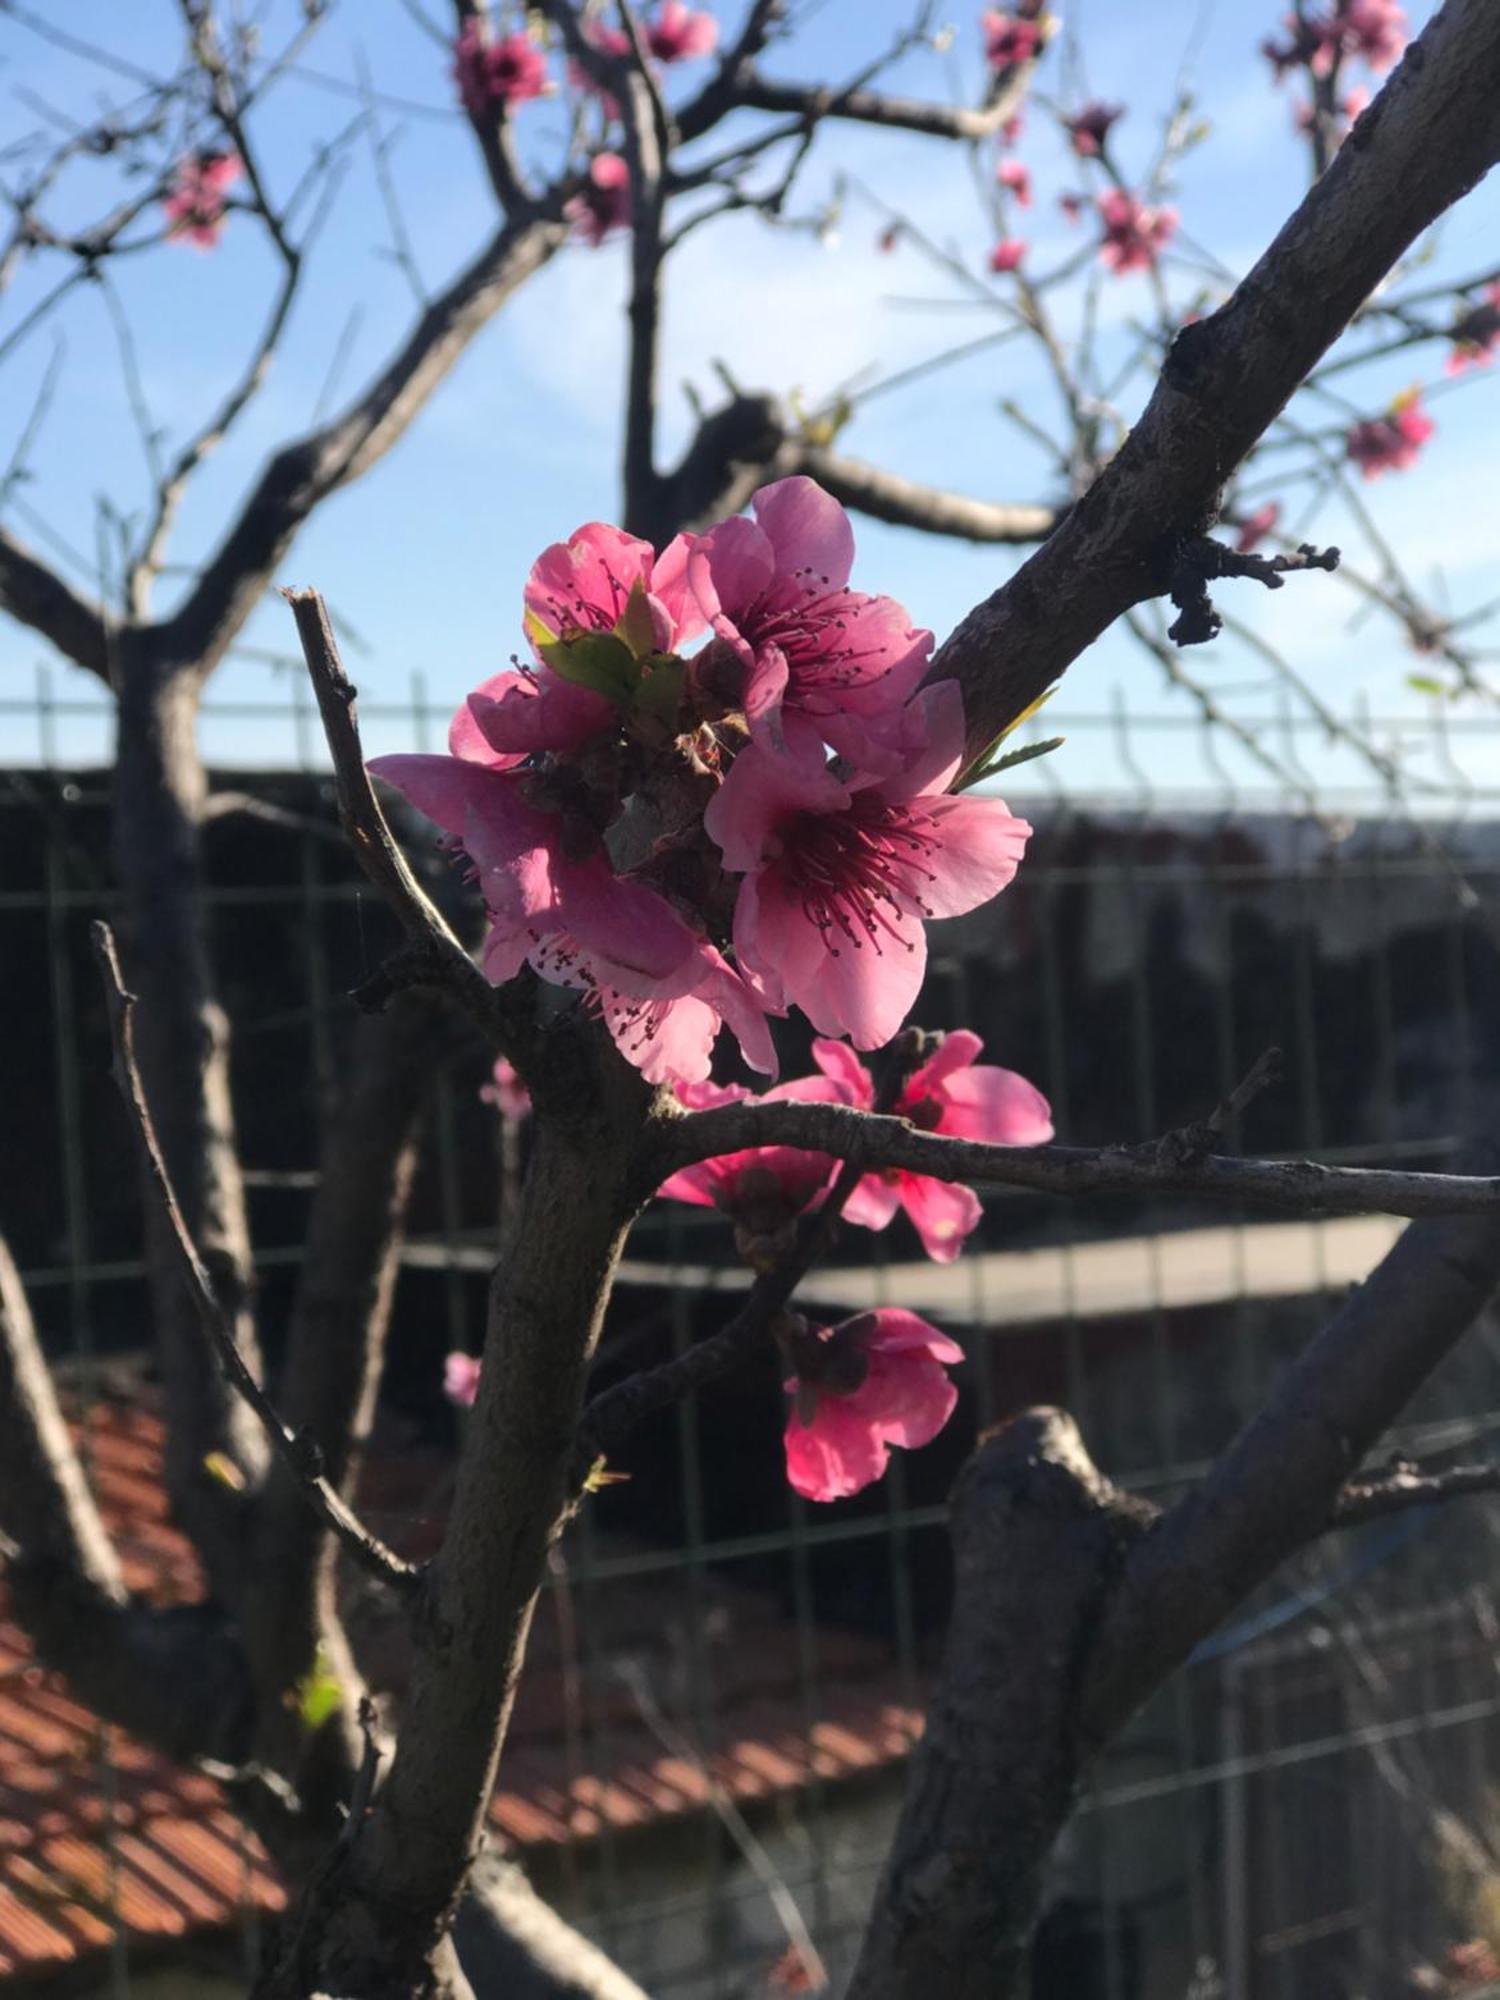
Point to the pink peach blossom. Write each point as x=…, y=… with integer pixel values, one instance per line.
x=1255, y=527
x=492, y=75
x=507, y=1092
x=585, y=583
x=1373, y=29
x=1392, y=443
x=679, y=33
x=953, y=1094
x=871, y=1382
x=1007, y=255
x=461, y=1379
x=1134, y=235
x=840, y=872
x=1088, y=130
x=764, y=1185
x=603, y=204
x=196, y=207
x=1008, y=40
x=1475, y=334
x=1015, y=176
x=795, y=641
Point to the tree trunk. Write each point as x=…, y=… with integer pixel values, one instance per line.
x=1038, y=1535
x=216, y=1454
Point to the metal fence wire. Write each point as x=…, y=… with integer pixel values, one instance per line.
x=706, y=1761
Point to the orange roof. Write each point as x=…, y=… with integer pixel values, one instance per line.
x=99, y=1831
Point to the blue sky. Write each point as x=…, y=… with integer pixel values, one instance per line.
x=425, y=557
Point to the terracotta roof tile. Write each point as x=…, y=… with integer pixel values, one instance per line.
x=160, y=1853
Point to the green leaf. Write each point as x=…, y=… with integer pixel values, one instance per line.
x=1426, y=684
x=990, y=766
x=636, y=628
x=318, y=1695
x=659, y=694
x=599, y=1476
x=596, y=660
x=985, y=764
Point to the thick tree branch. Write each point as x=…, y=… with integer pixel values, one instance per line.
x=38, y=597
x=1282, y=1479
x=174, y=1677
x=906, y=503
x=299, y=1453
x=303, y=474
x=877, y=107
x=1175, y=1164
x=1433, y=131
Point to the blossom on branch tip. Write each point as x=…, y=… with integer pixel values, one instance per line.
x=679, y=32
x=793, y=639
x=1375, y=30
x=874, y=1381
x=952, y=1094
x=1007, y=255
x=1009, y=39
x=1475, y=334
x=1015, y=176
x=198, y=202
x=507, y=1092
x=1392, y=443
x=461, y=1379
x=1089, y=129
x=603, y=204
x=1134, y=234
x=492, y=75
x=842, y=871
x=1256, y=526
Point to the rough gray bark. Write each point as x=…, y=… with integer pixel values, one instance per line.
x=159, y=788
x=1075, y=1603
x=376, y=1924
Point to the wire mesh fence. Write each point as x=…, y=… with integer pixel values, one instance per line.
x=724, y=1682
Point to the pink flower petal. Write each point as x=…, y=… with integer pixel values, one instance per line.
x=996, y=1106
x=980, y=848
x=834, y=1456
x=942, y=1212
x=808, y=531
x=907, y=1400
x=956, y=1051
x=843, y=1067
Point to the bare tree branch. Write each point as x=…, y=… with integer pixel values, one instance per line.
x=1433, y=131
x=906, y=503
x=1175, y=1164
x=1280, y=1481
x=1404, y=1486
x=176, y=1680
x=504, y=1013
x=38, y=597
x=303, y=474
x=298, y=1452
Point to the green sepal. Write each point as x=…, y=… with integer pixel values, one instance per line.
x=658, y=695
x=596, y=660
x=986, y=764
x=636, y=626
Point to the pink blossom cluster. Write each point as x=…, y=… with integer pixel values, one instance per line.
x=1476, y=334
x=718, y=791
x=1135, y=234
x=1015, y=37
x=1372, y=31
x=877, y=1380
x=491, y=76
x=1393, y=442
x=197, y=204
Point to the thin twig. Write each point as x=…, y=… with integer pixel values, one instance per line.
x=299, y=1453
x=502, y=1015
x=1406, y=1486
